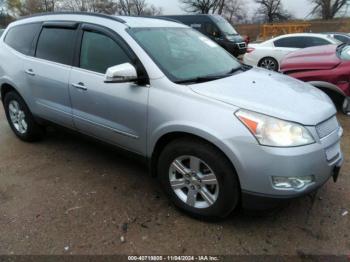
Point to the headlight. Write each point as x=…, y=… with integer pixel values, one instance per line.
x=270, y=131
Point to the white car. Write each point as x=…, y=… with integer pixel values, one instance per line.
x=269, y=54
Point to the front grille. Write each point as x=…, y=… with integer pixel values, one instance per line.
x=327, y=127
x=242, y=45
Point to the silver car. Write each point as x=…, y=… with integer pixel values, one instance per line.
x=217, y=133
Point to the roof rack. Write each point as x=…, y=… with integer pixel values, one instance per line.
x=111, y=17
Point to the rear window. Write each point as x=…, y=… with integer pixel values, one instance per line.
x=21, y=37
x=56, y=44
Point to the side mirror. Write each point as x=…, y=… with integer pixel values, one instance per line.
x=121, y=74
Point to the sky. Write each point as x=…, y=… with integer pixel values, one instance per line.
x=300, y=8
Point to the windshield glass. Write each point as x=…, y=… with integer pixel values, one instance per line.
x=344, y=52
x=226, y=28
x=184, y=54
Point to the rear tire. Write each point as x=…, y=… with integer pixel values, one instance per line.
x=269, y=63
x=210, y=191
x=21, y=119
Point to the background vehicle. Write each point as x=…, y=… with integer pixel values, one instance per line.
x=326, y=67
x=214, y=131
x=269, y=54
x=1, y=31
x=217, y=28
x=342, y=37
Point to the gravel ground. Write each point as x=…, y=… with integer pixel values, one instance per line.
x=68, y=195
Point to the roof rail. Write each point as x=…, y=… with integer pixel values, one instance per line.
x=166, y=18
x=77, y=13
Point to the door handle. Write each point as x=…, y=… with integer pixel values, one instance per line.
x=80, y=86
x=30, y=72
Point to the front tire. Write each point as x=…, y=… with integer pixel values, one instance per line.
x=20, y=118
x=198, y=178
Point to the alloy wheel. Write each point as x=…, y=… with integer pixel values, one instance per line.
x=193, y=181
x=17, y=117
x=269, y=64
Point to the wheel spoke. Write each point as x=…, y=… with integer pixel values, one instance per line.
x=207, y=196
x=179, y=167
x=20, y=127
x=209, y=179
x=191, y=197
x=24, y=125
x=178, y=184
x=195, y=164
x=12, y=108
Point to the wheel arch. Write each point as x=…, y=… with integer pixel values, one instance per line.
x=168, y=137
x=7, y=87
x=326, y=86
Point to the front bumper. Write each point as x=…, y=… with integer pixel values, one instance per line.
x=258, y=164
x=236, y=49
x=257, y=201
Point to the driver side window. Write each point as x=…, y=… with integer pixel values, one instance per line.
x=212, y=30
x=99, y=52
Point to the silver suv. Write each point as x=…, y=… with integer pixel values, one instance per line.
x=217, y=133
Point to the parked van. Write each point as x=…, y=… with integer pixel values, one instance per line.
x=217, y=28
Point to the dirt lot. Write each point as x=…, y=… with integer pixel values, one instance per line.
x=68, y=195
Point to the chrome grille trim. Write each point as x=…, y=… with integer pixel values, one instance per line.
x=327, y=127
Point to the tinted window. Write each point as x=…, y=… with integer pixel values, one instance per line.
x=99, y=52
x=300, y=42
x=56, y=44
x=342, y=38
x=212, y=30
x=314, y=41
x=290, y=42
x=21, y=37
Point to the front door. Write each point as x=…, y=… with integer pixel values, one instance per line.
x=113, y=112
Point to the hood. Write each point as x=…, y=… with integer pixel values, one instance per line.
x=313, y=58
x=272, y=94
x=235, y=38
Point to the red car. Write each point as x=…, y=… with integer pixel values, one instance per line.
x=326, y=67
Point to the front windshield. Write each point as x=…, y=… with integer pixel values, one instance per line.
x=226, y=27
x=344, y=52
x=184, y=53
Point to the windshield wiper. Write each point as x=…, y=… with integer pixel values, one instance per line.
x=203, y=79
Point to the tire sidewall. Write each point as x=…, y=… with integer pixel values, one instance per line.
x=269, y=58
x=227, y=179
x=12, y=96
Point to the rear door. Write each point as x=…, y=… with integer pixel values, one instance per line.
x=113, y=112
x=48, y=71
x=286, y=45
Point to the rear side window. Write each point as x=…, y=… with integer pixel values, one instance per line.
x=21, y=37
x=290, y=42
x=315, y=41
x=56, y=44
x=99, y=52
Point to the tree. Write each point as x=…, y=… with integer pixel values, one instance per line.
x=327, y=9
x=235, y=11
x=200, y=6
x=272, y=10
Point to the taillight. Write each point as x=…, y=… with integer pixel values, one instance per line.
x=250, y=49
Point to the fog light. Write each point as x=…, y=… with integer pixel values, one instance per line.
x=297, y=182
